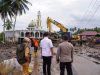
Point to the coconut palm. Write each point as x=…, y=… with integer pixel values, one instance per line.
x=11, y=8
x=8, y=24
x=5, y=11
x=19, y=7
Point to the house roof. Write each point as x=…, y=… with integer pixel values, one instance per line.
x=88, y=33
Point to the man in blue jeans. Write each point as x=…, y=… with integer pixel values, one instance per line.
x=65, y=56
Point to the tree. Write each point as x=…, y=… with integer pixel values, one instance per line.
x=1, y=37
x=5, y=11
x=97, y=29
x=80, y=31
x=19, y=7
x=10, y=9
x=8, y=24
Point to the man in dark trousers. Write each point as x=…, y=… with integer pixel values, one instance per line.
x=46, y=52
x=65, y=56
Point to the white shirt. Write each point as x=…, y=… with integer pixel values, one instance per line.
x=46, y=45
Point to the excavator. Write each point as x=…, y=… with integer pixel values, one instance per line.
x=49, y=21
x=62, y=28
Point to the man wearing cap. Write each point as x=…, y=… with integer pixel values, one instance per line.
x=27, y=56
x=23, y=55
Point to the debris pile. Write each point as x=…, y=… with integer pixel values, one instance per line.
x=88, y=51
x=7, y=52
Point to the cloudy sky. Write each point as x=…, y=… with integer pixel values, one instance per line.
x=71, y=13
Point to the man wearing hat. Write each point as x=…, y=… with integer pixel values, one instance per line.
x=23, y=55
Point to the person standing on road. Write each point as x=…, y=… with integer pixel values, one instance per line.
x=23, y=55
x=36, y=46
x=46, y=52
x=65, y=56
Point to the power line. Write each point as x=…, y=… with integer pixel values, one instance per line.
x=87, y=12
x=90, y=11
x=94, y=12
x=87, y=9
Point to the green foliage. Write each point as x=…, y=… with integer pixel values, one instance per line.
x=86, y=29
x=12, y=7
x=1, y=37
x=97, y=29
x=5, y=9
x=79, y=31
x=8, y=24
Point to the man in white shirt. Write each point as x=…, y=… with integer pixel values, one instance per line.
x=46, y=52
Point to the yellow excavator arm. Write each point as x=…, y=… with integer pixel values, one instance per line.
x=73, y=38
x=49, y=21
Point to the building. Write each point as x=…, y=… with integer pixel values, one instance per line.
x=34, y=28
x=87, y=34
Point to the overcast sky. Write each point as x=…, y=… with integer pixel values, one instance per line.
x=71, y=13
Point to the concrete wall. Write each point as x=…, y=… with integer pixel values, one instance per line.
x=21, y=34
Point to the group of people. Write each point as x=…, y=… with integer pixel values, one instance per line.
x=64, y=55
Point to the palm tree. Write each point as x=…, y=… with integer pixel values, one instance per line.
x=19, y=7
x=11, y=8
x=5, y=10
x=8, y=24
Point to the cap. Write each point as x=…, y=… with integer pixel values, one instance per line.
x=26, y=39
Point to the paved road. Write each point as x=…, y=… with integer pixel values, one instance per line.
x=83, y=66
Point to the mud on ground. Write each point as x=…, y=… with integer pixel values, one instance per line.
x=7, y=51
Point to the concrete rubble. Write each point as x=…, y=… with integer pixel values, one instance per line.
x=88, y=52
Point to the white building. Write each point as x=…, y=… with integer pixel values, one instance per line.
x=34, y=28
x=21, y=34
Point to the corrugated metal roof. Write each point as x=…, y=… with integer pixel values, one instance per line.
x=89, y=33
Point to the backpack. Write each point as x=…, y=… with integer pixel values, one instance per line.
x=20, y=53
